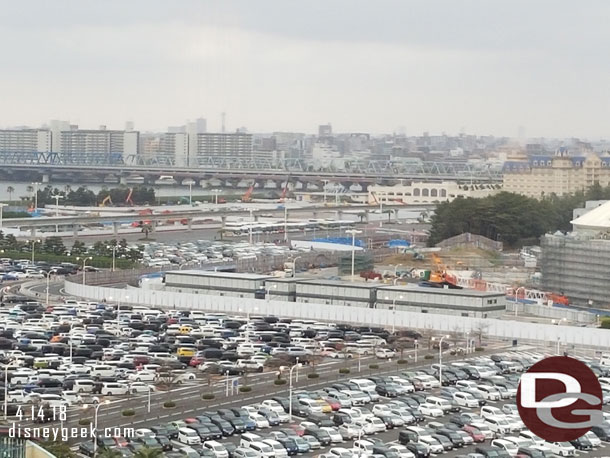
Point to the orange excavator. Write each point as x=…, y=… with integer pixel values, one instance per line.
x=440, y=275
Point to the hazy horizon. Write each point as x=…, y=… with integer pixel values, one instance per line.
x=485, y=68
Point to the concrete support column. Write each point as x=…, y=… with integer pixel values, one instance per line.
x=33, y=232
x=189, y=224
x=75, y=230
x=123, y=180
x=366, y=216
x=223, y=224
x=115, y=229
x=46, y=177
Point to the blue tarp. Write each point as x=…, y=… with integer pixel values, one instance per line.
x=398, y=242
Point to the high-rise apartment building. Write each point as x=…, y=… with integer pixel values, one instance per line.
x=25, y=141
x=101, y=141
x=237, y=145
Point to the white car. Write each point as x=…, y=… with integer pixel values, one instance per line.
x=335, y=435
x=430, y=410
x=531, y=436
x=273, y=405
x=508, y=446
x=561, y=448
x=385, y=353
x=595, y=441
x=465, y=400
x=348, y=431
x=259, y=420
x=433, y=445
x=139, y=387
x=402, y=451
x=143, y=376
x=510, y=409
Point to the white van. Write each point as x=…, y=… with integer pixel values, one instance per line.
x=188, y=436
x=112, y=389
x=101, y=370
x=441, y=403
x=247, y=438
x=363, y=384
x=278, y=449
x=83, y=386
x=465, y=400
x=262, y=450
x=217, y=448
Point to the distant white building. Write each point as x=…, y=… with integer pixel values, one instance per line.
x=427, y=193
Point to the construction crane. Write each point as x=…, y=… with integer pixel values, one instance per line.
x=247, y=197
x=106, y=200
x=128, y=198
x=285, y=190
x=440, y=275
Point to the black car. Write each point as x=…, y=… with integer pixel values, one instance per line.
x=444, y=441
x=320, y=434
x=454, y=437
x=582, y=443
x=602, y=431
x=86, y=448
x=289, y=444
x=164, y=442
x=419, y=450
x=386, y=390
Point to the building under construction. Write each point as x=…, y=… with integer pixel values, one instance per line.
x=578, y=266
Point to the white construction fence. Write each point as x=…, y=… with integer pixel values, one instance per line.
x=504, y=329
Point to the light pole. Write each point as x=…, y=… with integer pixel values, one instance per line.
x=70, y=340
x=48, y=275
x=216, y=192
x=113, y=248
x=6, y=368
x=285, y=223
x=35, y=196
x=149, y=391
x=294, y=265
x=517, y=298
x=268, y=291
x=97, y=409
x=2, y=205
x=394, y=312
x=57, y=197
x=440, y=359
x=467, y=341
x=85, y=259
x=353, y=232
x=290, y=390
x=415, y=345
x=33, y=242
x=190, y=184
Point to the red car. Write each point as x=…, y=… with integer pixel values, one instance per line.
x=333, y=403
x=298, y=429
x=189, y=421
x=474, y=432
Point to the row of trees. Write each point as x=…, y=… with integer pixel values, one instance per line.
x=55, y=246
x=82, y=196
x=508, y=217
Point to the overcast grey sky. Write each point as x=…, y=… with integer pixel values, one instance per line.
x=364, y=65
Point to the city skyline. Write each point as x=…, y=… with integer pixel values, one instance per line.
x=437, y=66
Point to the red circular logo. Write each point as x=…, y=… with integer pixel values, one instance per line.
x=559, y=399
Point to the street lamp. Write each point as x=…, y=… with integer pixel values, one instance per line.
x=1, y=207
x=517, y=298
x=85, y=259
x=190, y=184
x=290, y=388
x=33, y=242
x=440, y=358
x=35, y=196
x=268, y=291
x=6, y=368
x=294, y=265
x=97, y=409
x=216, y=192
x=57, y=197
x=70, y=340
x=48, y=275
x=353, y=232
x=113, y=248
x=393, y=312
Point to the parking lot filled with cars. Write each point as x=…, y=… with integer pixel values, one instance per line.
x=84, y=353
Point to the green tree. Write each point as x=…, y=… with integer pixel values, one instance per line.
x=59, y=449
x=147, y=452
x=54, y=245
x=78, y=248
x=10, y=190
x=108, y=453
